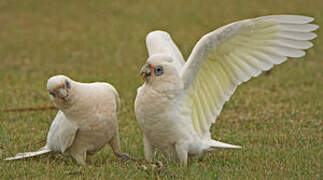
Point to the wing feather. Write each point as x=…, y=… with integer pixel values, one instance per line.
x=234, y=53
x=160, y=42
x=303, y=36
x=214, y=90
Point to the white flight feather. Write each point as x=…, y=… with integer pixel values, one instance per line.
x=158, y=42
x=232, y=54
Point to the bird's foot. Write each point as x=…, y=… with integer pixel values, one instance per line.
x=152, y=165
x=125, y=156
x=159, y=164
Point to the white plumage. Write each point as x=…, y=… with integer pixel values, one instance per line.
x=85, y=122
x=176, y=109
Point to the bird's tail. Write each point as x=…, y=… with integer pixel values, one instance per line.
x=217, y=144
x=43, y=150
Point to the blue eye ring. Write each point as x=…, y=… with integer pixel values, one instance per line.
x=158, y=70
x=67, y=84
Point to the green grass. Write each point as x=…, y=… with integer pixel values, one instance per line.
x=277, y=117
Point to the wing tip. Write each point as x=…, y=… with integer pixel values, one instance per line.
x=311, y=36
x=289, y=18
x=9, y=158
x=308, y=19
x=310, y=45
x=157, y=33
x=315, y=27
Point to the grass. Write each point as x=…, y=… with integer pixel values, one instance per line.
x=277, y=117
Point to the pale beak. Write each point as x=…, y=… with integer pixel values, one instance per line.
x=145, y=71
x=62, y=92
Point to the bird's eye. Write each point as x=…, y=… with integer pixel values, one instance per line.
x=158, y=70
x=67, y=84
x=52, y=94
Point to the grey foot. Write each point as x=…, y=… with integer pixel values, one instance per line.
x=159, y=164
x=125, y=156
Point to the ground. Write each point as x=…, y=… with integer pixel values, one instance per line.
x=277, y=117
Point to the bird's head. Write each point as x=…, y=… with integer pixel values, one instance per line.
x=159, y=68
x=59, y=88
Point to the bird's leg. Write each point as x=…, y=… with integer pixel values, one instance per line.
x=182, y=153
x=149, y=150
x=115, y=145
x=80, y=157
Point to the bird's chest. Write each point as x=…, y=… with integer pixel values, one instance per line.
x=159, y=117
x=93, y=127
x=151, y=106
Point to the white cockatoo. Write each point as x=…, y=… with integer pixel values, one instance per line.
x=179, y=100
x=85, y=122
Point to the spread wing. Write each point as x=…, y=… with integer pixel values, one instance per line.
x=158, y=42
x=232, y=54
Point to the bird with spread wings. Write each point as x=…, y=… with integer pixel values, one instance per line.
x=179, y=100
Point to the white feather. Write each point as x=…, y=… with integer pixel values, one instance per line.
x=158, y=42
x=41, y=151
x=239, y=51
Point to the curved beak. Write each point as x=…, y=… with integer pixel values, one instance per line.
x=61, y=93
x=145, y=71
